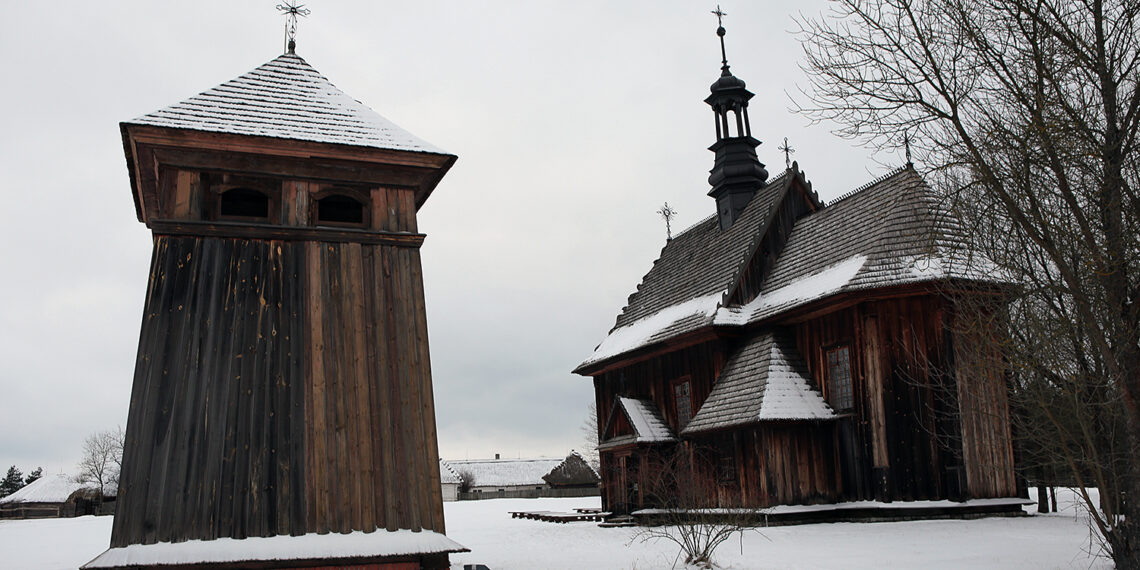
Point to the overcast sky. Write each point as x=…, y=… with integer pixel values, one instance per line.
x=573, y=123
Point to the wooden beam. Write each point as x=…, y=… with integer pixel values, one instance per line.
x=284, y=233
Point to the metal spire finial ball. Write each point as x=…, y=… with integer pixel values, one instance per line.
x=720, y=31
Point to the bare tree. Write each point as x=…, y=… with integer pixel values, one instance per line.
x=466, y=480
x=684, y=488
x=590, y=435
x=102, y=459
x=1025, y=113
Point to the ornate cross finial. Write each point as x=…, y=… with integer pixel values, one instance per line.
x=906, y=145
x=291, y=9
x=788, y=150
x=667, y=213
x=720, y=14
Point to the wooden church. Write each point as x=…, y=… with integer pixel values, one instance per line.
x=282, y=413
x=797, y=352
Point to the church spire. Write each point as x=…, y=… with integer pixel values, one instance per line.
x=737, y=173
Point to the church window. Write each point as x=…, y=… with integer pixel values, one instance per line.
x=726, y=462
x=683, y=401
x=840, y=393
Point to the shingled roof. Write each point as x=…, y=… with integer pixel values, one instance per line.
x=688, y=281
x=644, y=419
x=888, y=233
x=286, y=98
x=765, y=379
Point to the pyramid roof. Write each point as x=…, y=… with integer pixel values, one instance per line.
x=287, y=99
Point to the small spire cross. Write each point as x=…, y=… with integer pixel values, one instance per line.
x=667, y=213
x=788, y=151
x=720, y=14
x=906, y=144
x=291, y=10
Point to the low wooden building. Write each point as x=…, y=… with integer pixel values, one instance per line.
x=792, y=351
x=54, y=496
x=497, y=478
x=282, y=393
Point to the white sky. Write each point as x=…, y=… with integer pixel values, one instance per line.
x=573, y=123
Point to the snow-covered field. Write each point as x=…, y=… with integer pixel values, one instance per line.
x=500, y=542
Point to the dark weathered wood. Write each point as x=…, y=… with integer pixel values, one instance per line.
x=284, y=233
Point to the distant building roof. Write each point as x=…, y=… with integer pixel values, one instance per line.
x=286, y=98
x=505, y=472
x=890, y=232
x=47, y=489
x=447, y=475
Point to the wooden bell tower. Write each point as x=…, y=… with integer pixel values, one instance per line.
x=282, y=413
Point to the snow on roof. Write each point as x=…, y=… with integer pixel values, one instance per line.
x=646, y=422
x=764, y=379
x=800, y=291
x=788, y=395
x=447, y=475
x=642, y=331
x=888, y=233
x=286, y=98
x=47, y=489
x=505, y=472
x=310, y=546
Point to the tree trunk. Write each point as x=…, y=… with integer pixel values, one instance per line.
x=1042, y=498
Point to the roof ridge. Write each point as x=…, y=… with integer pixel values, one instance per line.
x=882, y=178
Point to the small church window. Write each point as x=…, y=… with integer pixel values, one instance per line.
x=339, y=209
x=726, y=462
x=244, y=203
x=839, y=390
x=682, y=399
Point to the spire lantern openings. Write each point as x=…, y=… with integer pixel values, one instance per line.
x=737, y=173
x=729, y=95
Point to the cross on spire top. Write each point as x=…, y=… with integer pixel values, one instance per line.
x=720, y=14
x=291, y=9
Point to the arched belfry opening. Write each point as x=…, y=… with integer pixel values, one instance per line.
x=340, y=210
x=282, y=393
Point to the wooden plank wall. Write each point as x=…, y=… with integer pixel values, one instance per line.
x=913, y=417
x=783, y=464
x=651, y=380
x=280, y=388
x=987, y=440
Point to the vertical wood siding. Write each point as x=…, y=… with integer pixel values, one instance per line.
x=280, y=388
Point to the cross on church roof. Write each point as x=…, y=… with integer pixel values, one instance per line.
x=291, y=9
x=667, y=213
x=788, y=150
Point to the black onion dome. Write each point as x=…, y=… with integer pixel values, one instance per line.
x=727, y=82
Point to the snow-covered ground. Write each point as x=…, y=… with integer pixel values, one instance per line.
x=500, y=542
